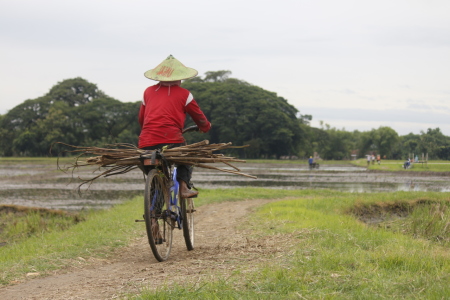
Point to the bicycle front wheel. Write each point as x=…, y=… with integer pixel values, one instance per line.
x=158, y=223
x=187, y=211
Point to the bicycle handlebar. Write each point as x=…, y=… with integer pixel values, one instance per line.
x=190, y=128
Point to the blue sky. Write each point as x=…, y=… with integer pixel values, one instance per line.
x=351, y=64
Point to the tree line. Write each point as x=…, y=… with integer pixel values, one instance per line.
x=332, y=143
x=76, y=112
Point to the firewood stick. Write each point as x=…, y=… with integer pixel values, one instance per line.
x=205, y=159
x=225, y=170
x=123, y=158
x=237, y=169
x=204, y=142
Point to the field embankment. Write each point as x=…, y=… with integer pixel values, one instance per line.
x=435, y=166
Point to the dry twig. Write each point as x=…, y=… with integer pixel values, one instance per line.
x=122, y=158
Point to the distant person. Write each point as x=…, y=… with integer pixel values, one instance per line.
x=310, y=161
x=378, y=158
x=368, y=159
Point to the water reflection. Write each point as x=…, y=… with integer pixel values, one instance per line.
x=337, y=168
x=42, y=187
x=346, y=178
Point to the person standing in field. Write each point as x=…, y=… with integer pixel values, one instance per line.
x=163, y=113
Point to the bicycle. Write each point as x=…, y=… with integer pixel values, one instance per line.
x=164, y=209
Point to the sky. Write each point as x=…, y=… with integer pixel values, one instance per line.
x=354, y=65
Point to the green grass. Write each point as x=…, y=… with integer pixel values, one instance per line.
x=238, y=194
x=335, y=256
x=98, y=236
x=397, y=165
x=422, y=218
x=20, y=223
x=386, y=165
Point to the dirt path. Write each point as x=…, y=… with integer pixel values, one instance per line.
x=220, y=248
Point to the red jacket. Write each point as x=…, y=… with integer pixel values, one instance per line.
x=163, y=113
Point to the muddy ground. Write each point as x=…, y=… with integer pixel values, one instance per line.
x=44, y=186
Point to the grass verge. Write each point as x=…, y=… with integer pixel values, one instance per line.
x=397, y=165
x=20, y=223
x=336, y=256
x=98, y=236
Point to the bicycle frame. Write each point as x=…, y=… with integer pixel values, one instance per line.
x=164, y=210
x=174, y=208
x=173, y=201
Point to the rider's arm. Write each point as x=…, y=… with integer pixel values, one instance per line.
x=198, y=116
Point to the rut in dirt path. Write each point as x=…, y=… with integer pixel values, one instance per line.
x=219, y=250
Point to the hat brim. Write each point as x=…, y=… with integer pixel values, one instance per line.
x=171, y=69
x=170, y=74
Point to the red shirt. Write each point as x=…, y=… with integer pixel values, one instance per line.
x=163, y=113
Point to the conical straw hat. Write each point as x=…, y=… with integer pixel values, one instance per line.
x=171, y=69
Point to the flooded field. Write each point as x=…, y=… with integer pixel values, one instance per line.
x=42, y=185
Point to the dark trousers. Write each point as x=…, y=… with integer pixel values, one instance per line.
x=184, y=172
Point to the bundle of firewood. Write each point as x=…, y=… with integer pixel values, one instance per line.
x=122, y=158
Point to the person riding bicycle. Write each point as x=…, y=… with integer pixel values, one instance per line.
x=163, y=112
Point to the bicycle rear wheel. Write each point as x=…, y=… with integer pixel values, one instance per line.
x=158, y=223
x=187, y=211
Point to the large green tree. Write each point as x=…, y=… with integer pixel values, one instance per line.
x=432, y=142
x=75, y=112
x=383, y=141
x=246, y=114
x=435, y=143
